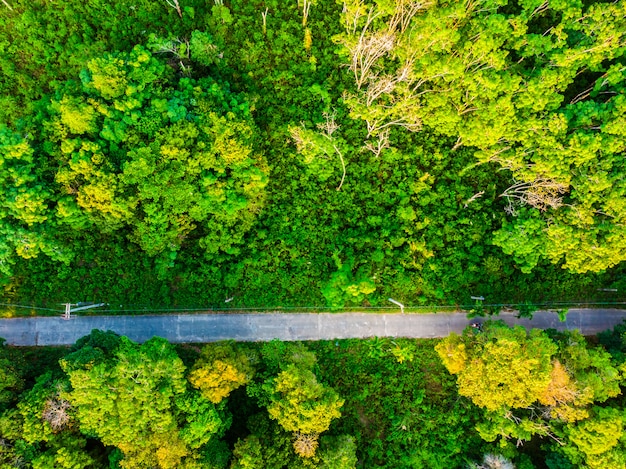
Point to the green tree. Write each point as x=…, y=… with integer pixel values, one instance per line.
x=133, y=149
x=135, y=398
x=598, y=442
x=505, y=80
x=49, y=428
x=11, y=381
x=302, y=405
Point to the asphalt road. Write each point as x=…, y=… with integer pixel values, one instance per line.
x=182, y=328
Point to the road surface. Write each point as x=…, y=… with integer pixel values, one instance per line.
x=181, y=328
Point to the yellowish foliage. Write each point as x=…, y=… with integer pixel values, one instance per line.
x=452, y=353
x=218, y=379
x=308, y=39
x=562, y=395
x=506, y=374
x=302, y=404
x=569, y=413
x=220, y=370
x=78, y=118
x=561, y=389
x=171, y=450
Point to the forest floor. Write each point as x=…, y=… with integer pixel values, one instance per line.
x=201, y=328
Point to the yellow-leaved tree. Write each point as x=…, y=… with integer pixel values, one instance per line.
x=530, y=383
x=220, y=370
x=502, y=367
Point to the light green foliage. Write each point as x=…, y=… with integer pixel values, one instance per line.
x=344, y=286
x=134, y=398
x=301, y=404
x=25, y=225
x=48, y=423
x=135, y=150
x=296, y=401
x=338, y=452
x=202, y=48
x=596, y=376
x=598, y=442
x=79, y=118
x=498, y=78
x=568, y=378
x=269, y=446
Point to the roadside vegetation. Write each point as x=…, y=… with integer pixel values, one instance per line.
x=491, y=398
x=309, y=153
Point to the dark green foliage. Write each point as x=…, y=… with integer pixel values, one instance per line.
x=11, y=380
x=402, y=413
x=614, y=341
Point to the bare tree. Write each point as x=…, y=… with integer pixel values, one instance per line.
x=494, y=461
x=173, y=46
x=476, y=196
x=366, y=46
x=305, y=444
x=56, y=413
x=328, y=128
x=306, y=7
x=264, y=16
x=540, y=193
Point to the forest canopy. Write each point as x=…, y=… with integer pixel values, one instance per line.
x=325, y=154
x=537, y=399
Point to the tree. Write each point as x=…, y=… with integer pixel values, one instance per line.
x=11, y=382
x=302, y=405
x=221, y=369
x=561, y=378
x=135, y=398
x=49, y=427
x=501, y=367
x=338, y=452
x=26, y=221
x=506, y=82
x=493, y=461
x=167, y=161
x=597, y=442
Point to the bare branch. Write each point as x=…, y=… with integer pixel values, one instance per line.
x=330, y=126
x=264, y=16
x=305, y=445
x=343, y=164
x=478, y=195
x=174, y=4
x=378, y=146
x=541, y=194
x=306, y=7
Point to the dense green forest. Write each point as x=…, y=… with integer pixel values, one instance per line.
x=176, y=153
x=491, y=399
